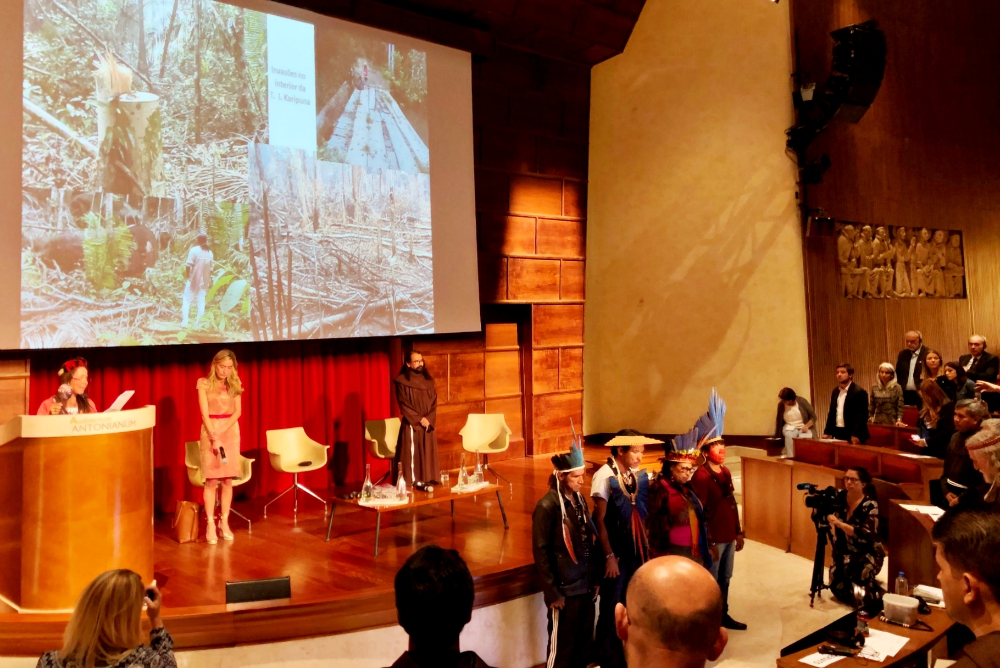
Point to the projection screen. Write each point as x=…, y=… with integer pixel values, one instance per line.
x=196, y=171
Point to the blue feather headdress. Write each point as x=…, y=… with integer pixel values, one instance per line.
x=707, y=430
x=572, y=460
x=684, y=448
x=713, y=421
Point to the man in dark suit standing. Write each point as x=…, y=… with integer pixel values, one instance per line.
x=847, y=419
x=981, y=365
x=909, y=366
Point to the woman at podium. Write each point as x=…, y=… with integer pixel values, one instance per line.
x=71, y=398
x=219, y=400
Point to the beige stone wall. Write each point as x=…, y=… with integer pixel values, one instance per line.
x=694, y=273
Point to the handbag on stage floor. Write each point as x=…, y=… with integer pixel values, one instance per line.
x=185, y=522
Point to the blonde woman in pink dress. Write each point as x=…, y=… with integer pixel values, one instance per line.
x=219, y=400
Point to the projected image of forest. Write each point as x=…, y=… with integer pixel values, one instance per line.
x=198, y=172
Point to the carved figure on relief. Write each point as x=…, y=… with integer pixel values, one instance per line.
x=954, y=268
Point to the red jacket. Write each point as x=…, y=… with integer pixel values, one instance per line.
x=716, y=493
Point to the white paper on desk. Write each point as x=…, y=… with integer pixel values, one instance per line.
x=913, y=506
x=819, y=660
x=884, y=643
x=934, y=512
x=928, y=593
x=912, y=455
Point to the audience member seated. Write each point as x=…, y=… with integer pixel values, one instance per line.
x=106, y=627
x=909, y=366
x=984, y=449
x=671, y=616
x=980, y=365
x=937, y=419
x=858, y=553
x=966, y=545
x=955, y=383
x=885, y=403
x=434, y=593
x=960, y=475
x=795, y=419
x=847, y=418
x=933, y=366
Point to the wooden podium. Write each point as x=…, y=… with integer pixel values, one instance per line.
x=76, y=499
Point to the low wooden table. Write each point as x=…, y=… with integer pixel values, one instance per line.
x=919, y=642
x=417, y=498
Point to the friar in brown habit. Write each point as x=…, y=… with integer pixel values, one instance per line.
x=417, y=399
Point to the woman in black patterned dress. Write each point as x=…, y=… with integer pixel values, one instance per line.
x=105, y=630
x=858, y=553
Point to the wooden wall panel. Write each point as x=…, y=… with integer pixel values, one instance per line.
x=532, y=280
x=557, y=325
x=571, y=369
x=532, y=194
x=914, y=159
x=531, y=117
x=572, y=280
x=13, y=398
x=506, y=235
x=545, y=371
x=503, y=373
x=561, y=238
x=501, y=335
x=575, y=199
x=552, y=413
x=466, y=377
x=14, y=378
x=492, y=278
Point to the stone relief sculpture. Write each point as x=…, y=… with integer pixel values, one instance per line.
x=895, y=263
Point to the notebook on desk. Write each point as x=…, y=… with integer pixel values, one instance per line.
x=120, y=401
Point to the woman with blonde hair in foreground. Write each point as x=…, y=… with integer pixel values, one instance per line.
x=105, y=630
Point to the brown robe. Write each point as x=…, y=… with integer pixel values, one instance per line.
x=417, y=399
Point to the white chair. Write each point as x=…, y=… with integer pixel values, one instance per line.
x=382, y=436
x=486, y=434
x=192, y=459
x=291, y=451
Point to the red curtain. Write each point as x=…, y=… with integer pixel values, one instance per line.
x=328, y=387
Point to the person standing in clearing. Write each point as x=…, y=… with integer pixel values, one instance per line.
x=198, y=272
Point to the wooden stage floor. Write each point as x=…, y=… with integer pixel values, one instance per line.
x=338, y=586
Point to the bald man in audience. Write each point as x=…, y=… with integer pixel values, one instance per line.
x=672, y=615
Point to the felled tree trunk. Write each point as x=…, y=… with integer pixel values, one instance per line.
x=129, y=133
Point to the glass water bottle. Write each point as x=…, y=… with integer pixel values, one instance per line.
x=367, y=489
x=400, y=483
x=479, y=471
x=463, y=475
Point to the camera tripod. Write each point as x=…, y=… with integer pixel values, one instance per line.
x=818, y=583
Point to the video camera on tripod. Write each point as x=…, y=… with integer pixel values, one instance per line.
x=823, y=503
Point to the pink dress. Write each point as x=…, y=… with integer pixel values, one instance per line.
x=220, y=408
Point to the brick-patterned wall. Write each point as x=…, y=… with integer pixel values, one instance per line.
x=531, y=120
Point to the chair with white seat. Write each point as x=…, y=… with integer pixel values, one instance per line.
x=486, y=434
x=192, y=459
x=382, y=436
x=292, y=451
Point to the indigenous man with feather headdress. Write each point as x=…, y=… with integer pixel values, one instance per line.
x=620, y=490
x=568, y=561
x=713, y=483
